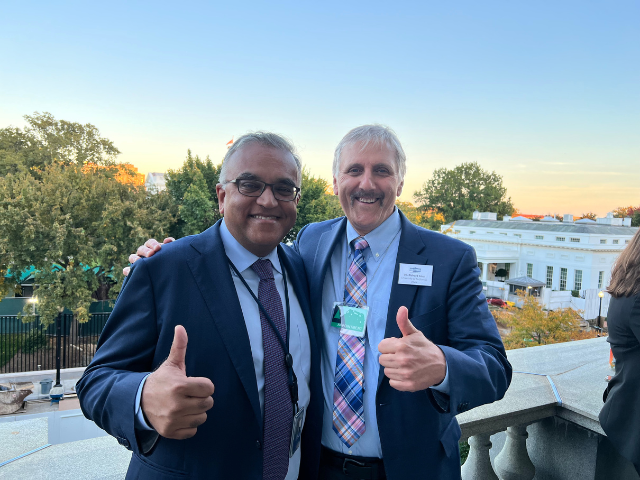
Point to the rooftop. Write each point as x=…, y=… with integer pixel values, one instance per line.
x=592, y=229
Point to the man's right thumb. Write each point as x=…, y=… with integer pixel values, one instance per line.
x=178, y=348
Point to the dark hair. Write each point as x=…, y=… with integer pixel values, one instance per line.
x=625, y=277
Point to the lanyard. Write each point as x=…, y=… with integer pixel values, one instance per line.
x=284, y=343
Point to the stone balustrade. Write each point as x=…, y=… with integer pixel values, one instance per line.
x=546, y=426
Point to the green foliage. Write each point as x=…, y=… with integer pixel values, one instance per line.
x=428, y=220
x=75, y=226
x=197, y=210
x=315, y=205
x=33, y=342
x=531, y=325
x=9, y=346
x=464, y=451
x=46, y=141
x=456, y=193
x=192, y=189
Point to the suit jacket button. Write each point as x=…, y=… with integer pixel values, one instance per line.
x=258, y=444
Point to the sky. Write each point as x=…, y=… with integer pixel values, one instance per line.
x=545, y=93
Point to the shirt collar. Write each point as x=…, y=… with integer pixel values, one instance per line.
x=240, y=256
x=380, y=237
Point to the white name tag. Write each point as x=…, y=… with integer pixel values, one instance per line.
x=411, y=274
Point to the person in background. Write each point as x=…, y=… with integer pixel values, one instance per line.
x=620, y=415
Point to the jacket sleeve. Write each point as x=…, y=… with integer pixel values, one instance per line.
x=125, y=353
x=479, y=371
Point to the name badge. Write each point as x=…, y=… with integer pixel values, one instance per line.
x=296, y=432
x=350, y=320
x=411, y=274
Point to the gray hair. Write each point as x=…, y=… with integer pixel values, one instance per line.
x=266, y=139
x=372, y=135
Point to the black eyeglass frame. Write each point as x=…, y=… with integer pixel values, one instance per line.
x=296, y=190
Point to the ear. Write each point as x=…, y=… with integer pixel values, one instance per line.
x=335, y=186
x=221, y=196
x=399, y=191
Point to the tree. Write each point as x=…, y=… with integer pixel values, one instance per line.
x=630, y=211
x=197, y=206
x=589, y=215
x=456, y=193
x=429, y=220
x=316, y=204
x=46, y=141
x=75, y=226
x=197, y=210
x=531, y=325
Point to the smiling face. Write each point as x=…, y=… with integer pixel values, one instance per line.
x=367, y=185
x=258, y=223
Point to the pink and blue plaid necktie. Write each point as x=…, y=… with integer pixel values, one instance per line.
x=348, y=408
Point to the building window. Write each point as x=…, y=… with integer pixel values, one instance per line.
x=489, y=233
x=615, y=242
x=563, y=279
x=517, y=235
x=626, y=242
x=603, y=241
x=574, y=240
x=472, y=232
x=600, y=279
x=530, y=270
x=577, y=280
x=559, y=239
x=456, y=231
x=549, y=277
x=539, y=237
x=503, y=233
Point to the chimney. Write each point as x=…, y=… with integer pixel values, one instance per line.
x=626, y=222
x=506, y=218
x=567, y=218
x=476, y=215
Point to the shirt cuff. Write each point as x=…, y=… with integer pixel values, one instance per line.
x=443, y=386
x=140, y=421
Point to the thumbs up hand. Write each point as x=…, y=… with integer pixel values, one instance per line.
x=412, y=362
x=173, y=404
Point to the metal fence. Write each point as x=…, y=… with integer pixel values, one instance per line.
x=30, y=346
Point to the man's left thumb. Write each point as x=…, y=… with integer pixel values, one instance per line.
x=406, y=327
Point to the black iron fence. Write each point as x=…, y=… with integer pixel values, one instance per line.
x=31, y=346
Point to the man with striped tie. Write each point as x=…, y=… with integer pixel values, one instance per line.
x=424, y=346
x=430, y=348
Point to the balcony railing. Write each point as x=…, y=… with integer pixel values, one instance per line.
x=547, y=424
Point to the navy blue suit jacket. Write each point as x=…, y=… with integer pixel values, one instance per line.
x=189, y=283
x=418, y=431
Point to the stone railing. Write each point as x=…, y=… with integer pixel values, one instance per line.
x=546, y=426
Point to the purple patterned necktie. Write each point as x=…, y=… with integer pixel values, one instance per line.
x=348, y=408
x=278, y=408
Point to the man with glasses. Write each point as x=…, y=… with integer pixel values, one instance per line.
x=407, y=341
x=225, y=310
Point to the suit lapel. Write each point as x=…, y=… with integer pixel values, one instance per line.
x=208, y=264
x=411, y=250
x=327, y=244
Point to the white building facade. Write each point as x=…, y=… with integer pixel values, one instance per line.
x=564, y=255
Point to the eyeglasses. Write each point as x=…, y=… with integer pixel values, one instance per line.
x=254, y=188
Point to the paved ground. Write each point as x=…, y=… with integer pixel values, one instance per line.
x=98, y=458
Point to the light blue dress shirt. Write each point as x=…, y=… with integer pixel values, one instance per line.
x=380, y=259
x=299, y=345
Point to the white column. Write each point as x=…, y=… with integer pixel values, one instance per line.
x=513, y=462
x=478, y=464
x=485, y=267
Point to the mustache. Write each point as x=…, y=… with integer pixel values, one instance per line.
x=369, y=194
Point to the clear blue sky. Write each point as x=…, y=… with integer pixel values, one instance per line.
x=546, y=93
